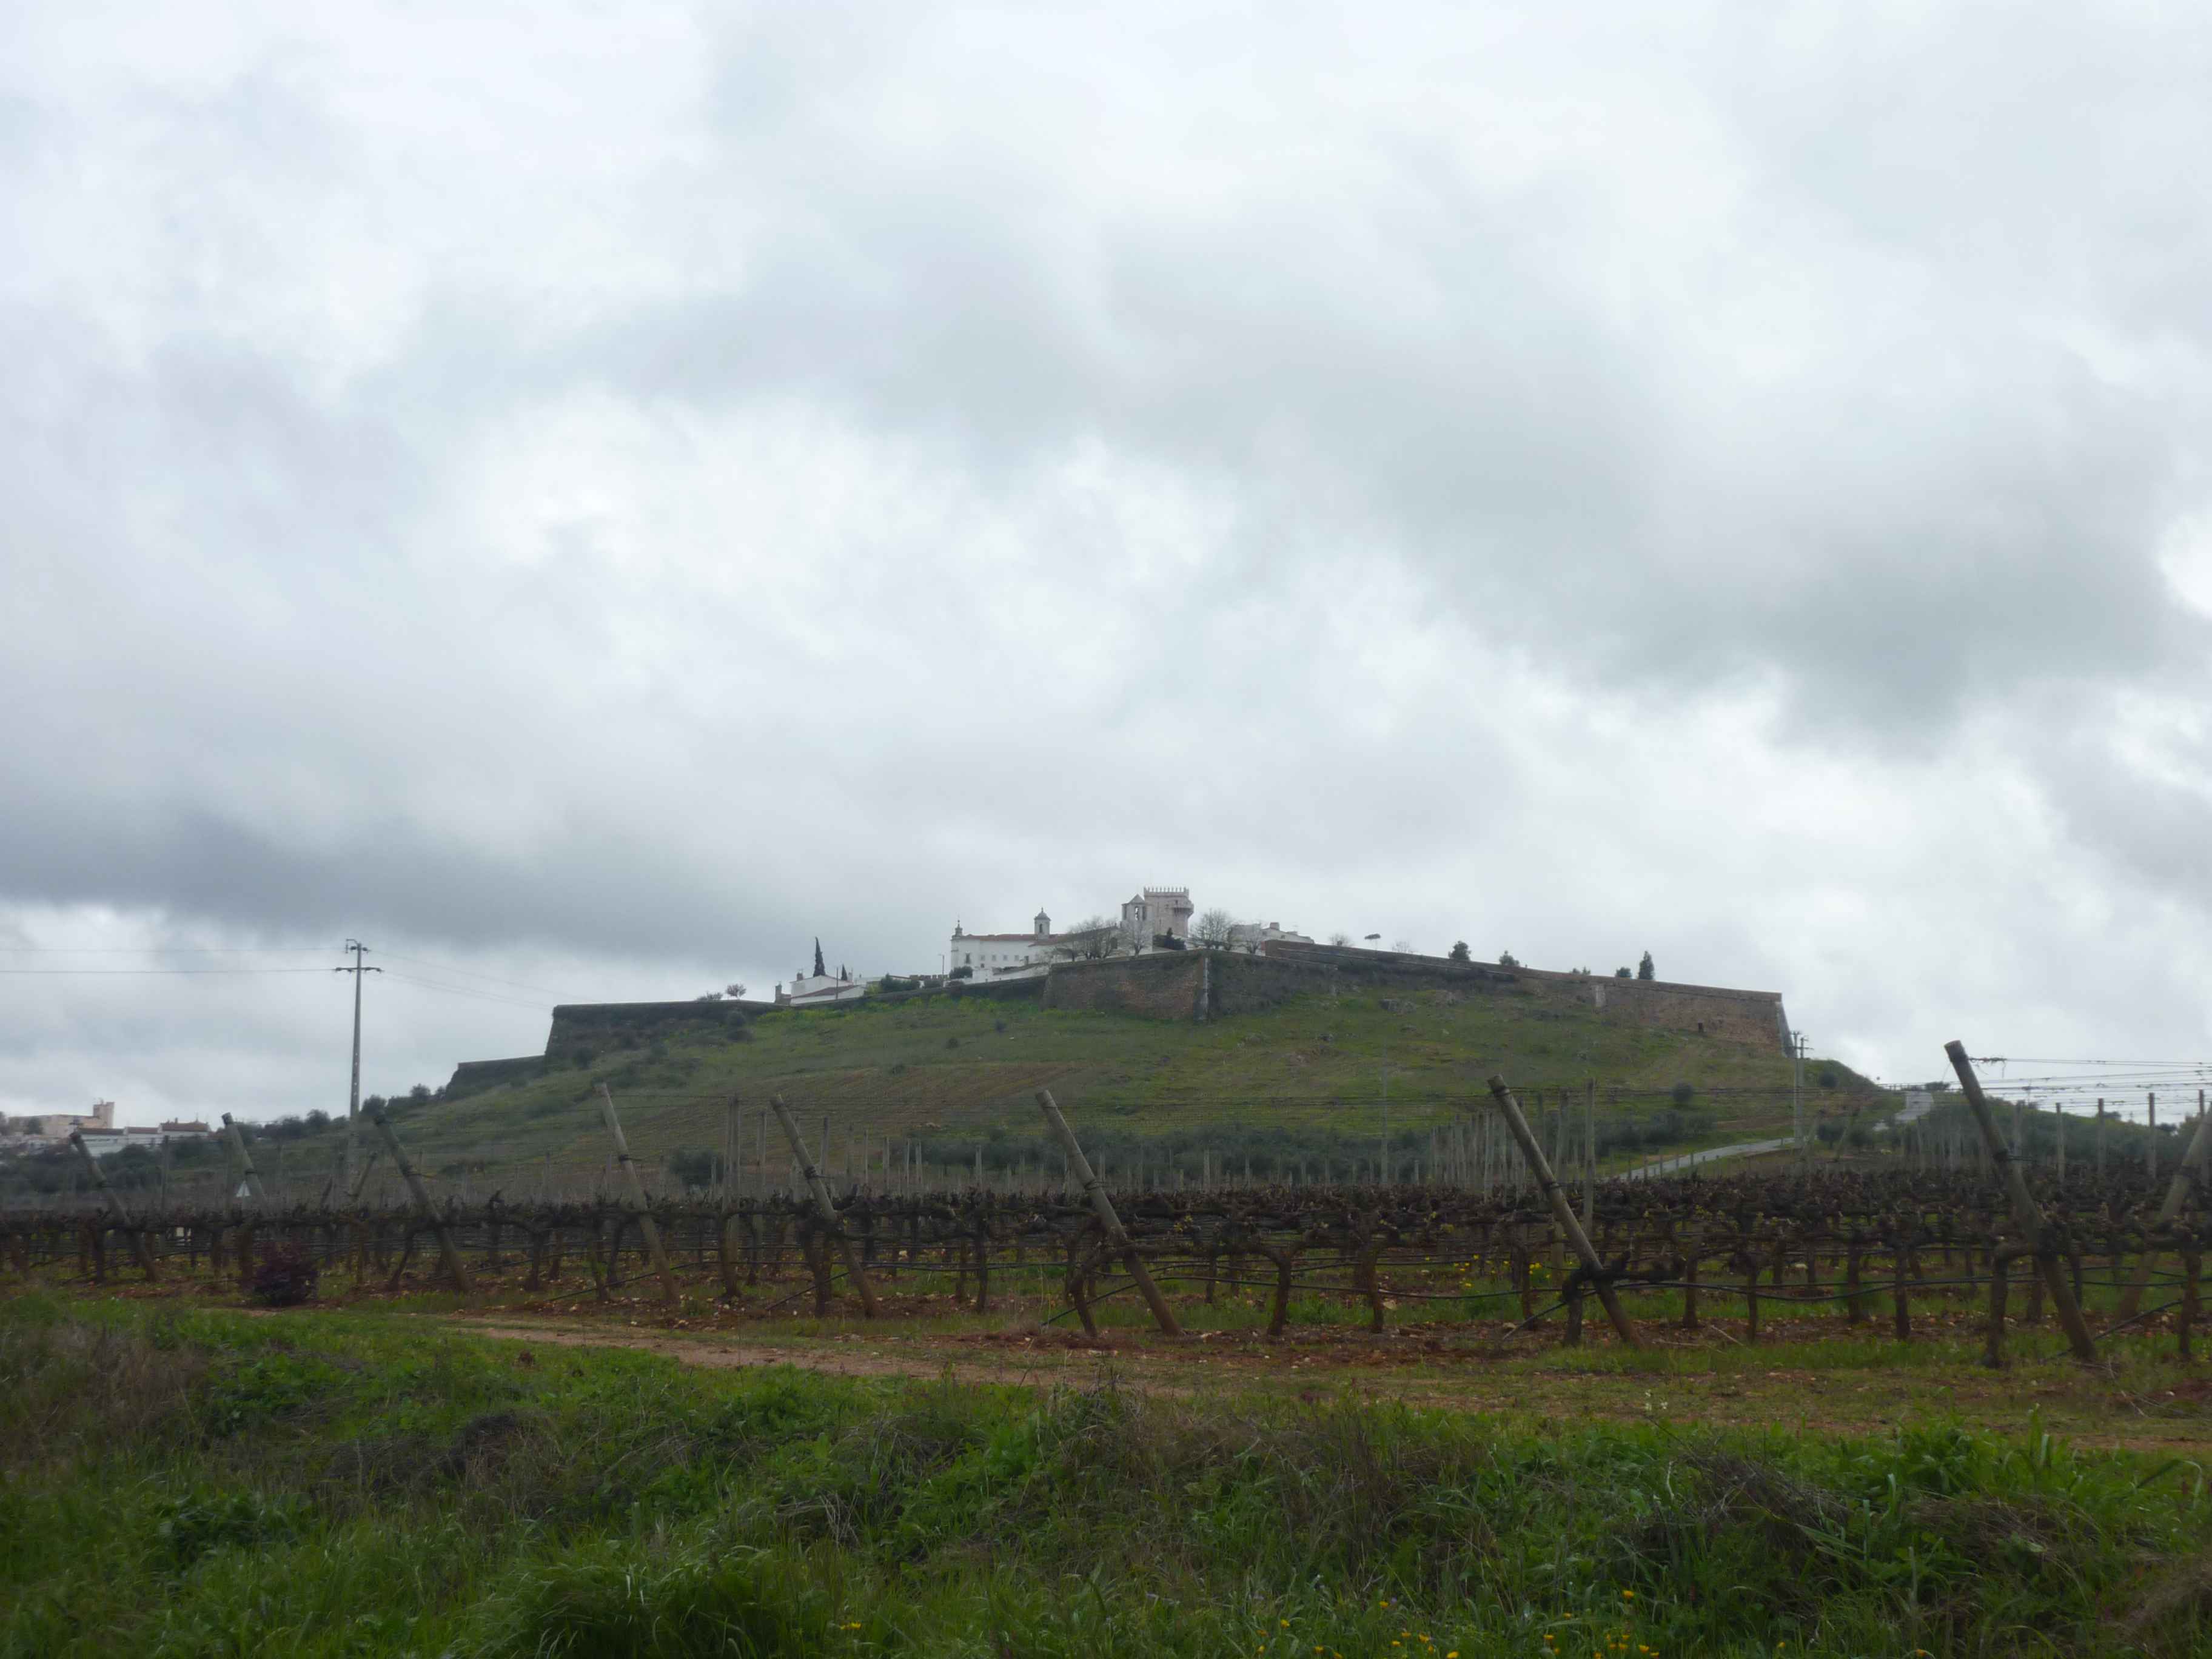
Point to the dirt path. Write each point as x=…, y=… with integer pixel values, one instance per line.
x=835, y=1357
x=2076, y=1405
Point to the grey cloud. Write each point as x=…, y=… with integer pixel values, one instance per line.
x=1481, y=378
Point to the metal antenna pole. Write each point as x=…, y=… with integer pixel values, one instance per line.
x=352, y=1148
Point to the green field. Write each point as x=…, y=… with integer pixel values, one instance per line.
x=202, y=1484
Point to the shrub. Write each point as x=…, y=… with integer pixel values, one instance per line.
x=286, y=1277
x=694, y=1166
x=1683, y=1094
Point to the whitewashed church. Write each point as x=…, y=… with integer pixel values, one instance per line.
x=1154, y=914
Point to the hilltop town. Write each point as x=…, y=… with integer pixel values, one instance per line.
x=1152, y=920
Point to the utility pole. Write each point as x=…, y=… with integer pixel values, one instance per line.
x=352, y=1148
x=1797, y=1095
x=1383, y=1163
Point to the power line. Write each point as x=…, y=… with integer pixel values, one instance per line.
x=470, y=973
x=466, y=991
x=80, y=972
x=161, y=950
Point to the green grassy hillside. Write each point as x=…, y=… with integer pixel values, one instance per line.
x=1304, y=1079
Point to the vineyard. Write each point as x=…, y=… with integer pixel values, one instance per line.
x=1499, y=1250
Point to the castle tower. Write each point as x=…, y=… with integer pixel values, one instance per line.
x=1043, y=926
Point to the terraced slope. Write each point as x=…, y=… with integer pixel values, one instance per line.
x=958, y=1073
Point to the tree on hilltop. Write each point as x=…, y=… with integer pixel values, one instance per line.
x=1460, y=952
x=1507, y=959
x=1645, y=969
x=1211, y=927
x=1092, y=938
x=820, y=972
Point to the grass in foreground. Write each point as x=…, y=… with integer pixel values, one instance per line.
x=179, y=1483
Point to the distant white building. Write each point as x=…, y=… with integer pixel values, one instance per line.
x=996, y=955
x=813, y=990
x=1251, y=935
x=1154, y=913
x=101, y=1142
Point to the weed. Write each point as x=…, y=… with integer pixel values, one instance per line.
x=194, y=1524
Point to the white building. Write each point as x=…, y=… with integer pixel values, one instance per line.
x=1154, y=912
x=815, y=990
x=101, y=1142
x=994, y=955
x=1250, y=936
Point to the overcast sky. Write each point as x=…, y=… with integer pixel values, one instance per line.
x=587, y=499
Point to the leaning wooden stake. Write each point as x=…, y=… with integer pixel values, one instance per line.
x=2176, y=1190
x=448, y=1256
x=820, y=1187
x=2025, y=1214
x=252, y=1176
x=637, y=1196
x=1563, y=1212
x=360, y=1176
x=1117, y=1236
x=138, y=1245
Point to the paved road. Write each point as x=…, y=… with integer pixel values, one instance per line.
x=1742, y=1149
x=1750, y=1148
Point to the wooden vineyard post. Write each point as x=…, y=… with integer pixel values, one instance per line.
x=820, y=1187
x=2026, y=1215
x=644, y=1211
x=448, y=1256
x=252, y=1176
x=2192, y=1159
x=139, y=1248
x=2192, y=1261
x=732, y=1119
x=2000, y=1262
x=1901, y=1307
x=1117, y=1236
x=1563, y=1212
